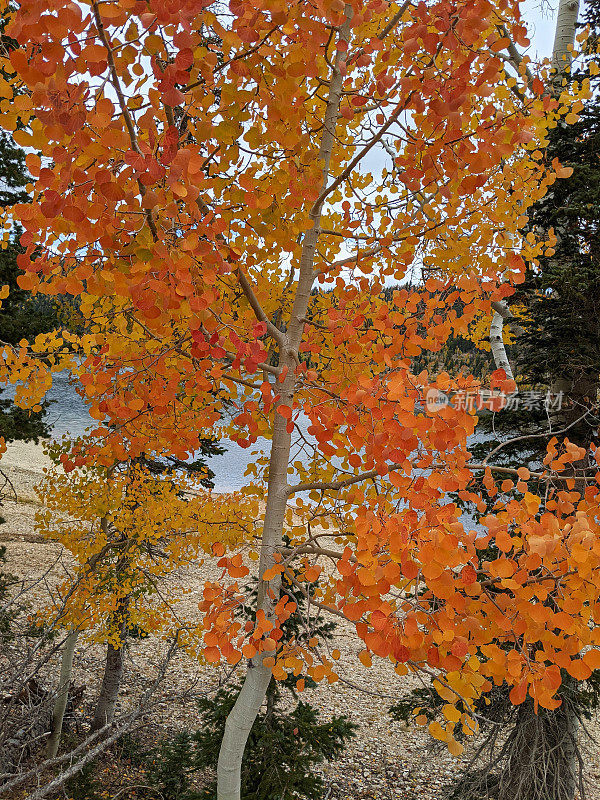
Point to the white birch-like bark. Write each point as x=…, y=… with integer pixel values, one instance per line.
x=60, y=704
x=501, y=312
x=564, y=36
x=253, y=692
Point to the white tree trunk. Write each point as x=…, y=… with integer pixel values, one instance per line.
x=501, y=312
x=564, y=36
x=60, y=704
x=253, y=692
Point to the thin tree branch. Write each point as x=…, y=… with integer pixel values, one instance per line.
x=259, y=313
x=277, y=334
x=360, y=155
x=312, y=600
x=533, y=436
x=60, y=780
x=542, y=476
x=335, y=485
x=116, y=83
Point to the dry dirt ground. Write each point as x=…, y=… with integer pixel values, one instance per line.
x=386, y=761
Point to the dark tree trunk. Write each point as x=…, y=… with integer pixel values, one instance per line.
x=541, y=760
x=111, y=683
x=113, y=671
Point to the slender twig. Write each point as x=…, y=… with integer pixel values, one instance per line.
x=116, y=83
x=533, y=436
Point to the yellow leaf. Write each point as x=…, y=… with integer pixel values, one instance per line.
x=456, y=748
x=564, y=172
x=451, y=713
x=436, y=730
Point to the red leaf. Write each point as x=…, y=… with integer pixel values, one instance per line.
x=285, y=411
x=173, y=97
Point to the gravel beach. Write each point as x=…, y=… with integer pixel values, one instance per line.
x=386, y=761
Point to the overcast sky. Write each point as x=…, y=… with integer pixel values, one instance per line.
x=541, y=25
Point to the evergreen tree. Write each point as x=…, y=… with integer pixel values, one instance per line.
x=558, y=345
x=20, y=316
x=530, y=754
x=284, y=745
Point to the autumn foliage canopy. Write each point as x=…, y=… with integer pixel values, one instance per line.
x=227, y=190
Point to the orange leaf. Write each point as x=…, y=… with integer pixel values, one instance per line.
x=518, y=693
x=212, y=655
x=365, y=658
x=579, y=669
x=592, y=659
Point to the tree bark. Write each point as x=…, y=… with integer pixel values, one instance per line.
x=540, y=751
x=109, y=691
x=564, y=35
x=60, y=704
x=501, y=312
x=254, y=689
x=113, y=673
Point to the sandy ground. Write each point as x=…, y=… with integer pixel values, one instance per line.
x=386, y=760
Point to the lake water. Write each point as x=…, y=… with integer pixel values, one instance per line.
x=69, y=415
